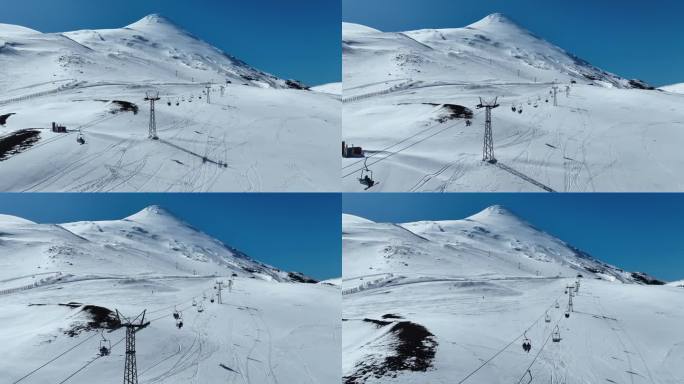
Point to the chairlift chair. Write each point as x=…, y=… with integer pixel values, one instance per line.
x=105, y=345
x=567, y=313
x=179, y=323
x=200, y=308
x=547, y=319
x=194, y=302
x=176, y=314
x=526, y=344
x=557, y=305
x=555, y=336
x=366, y=177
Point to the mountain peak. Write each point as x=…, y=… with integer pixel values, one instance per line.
x=152, y=211
x=153, y=19
x=497, y=20
x=497, y=210
x=494, y=212
x=497, y=17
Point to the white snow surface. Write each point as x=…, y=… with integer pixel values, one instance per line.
x=674, y=88
x=267, y=330
x=330, y=88
x=258, y=133
x=478, y=284
x=606, y=134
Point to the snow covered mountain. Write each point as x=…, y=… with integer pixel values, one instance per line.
x=152, y=45
x=61, y=284
x=233, y=127
x=491, y=243
x=494, y=49
x=407, y=97
x=148, y=243
x=445, y=301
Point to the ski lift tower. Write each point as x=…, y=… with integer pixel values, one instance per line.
x=152, y=97
x=219, y=284
x=208, y=87
x=488, y=149
x=555, y=95
x=132, y=326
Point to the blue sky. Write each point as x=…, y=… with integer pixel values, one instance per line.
x=294, y=232
x=633, y=38
x=298, y=39
x=637, y=232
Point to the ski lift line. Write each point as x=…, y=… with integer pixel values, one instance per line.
x=395, y=144
x=539, y=352
x=500, y=351
x=391, y=146
x=84, y=366
x=80, y=343
x=54, y=358
x=399, y=151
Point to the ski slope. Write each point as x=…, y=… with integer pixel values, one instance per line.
x=674, y=88
x=451, y=301
x=52, y=277
x=256, y=133
x=606, y=133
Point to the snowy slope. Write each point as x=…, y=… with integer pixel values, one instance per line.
x=330, y=88
x=458, y=296
x=404, y=93
x=59, y=282
x=251, y=136
x=674, y=88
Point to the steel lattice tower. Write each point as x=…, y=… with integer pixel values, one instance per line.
x=132, y=326
x=488, y=148
x=220, y=288
x=152, y=97
x=555, y=95
x=208, y=94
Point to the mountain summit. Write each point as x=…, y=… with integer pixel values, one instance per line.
x=149, y=242
x=493, y=241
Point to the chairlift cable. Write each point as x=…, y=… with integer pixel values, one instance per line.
x=506, y=347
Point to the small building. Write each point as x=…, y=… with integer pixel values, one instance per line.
x=56, y=128
x=352, y=151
